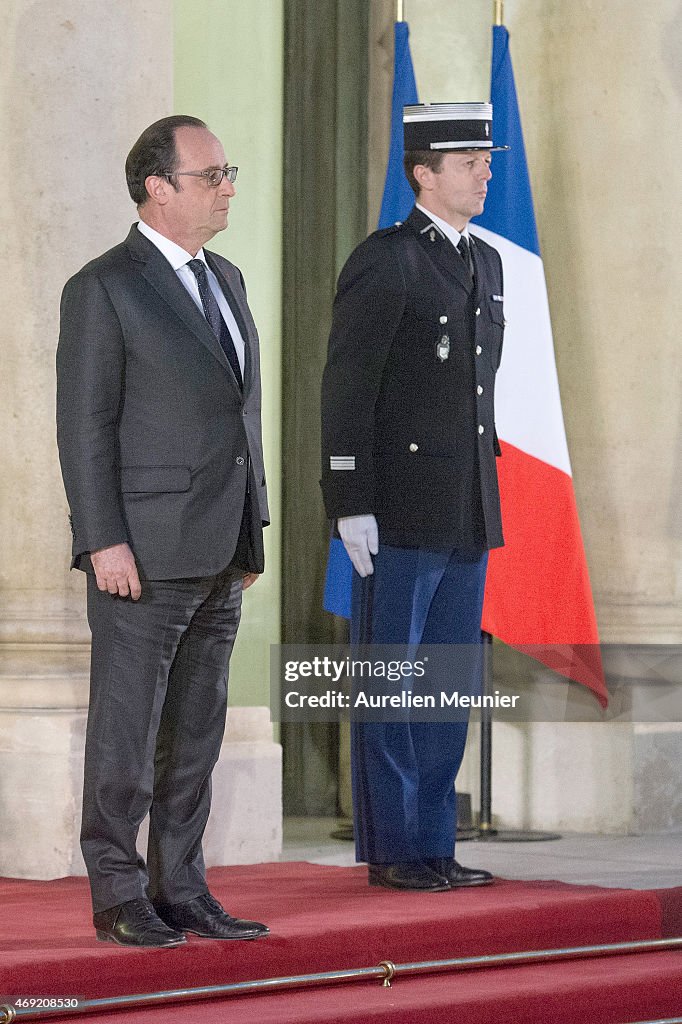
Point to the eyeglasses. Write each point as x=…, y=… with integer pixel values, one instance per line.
x=213, y=175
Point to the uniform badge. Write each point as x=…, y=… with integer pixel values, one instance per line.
x=443, y=348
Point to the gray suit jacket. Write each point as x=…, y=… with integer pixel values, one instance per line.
x=159, y=447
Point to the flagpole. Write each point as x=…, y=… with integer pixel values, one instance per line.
x=400, y=10
x=486, y=832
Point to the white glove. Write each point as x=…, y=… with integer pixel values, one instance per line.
x=360, y=536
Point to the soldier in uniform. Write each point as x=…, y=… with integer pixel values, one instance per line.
x=409, y=473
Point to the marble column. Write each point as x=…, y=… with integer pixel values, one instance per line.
x=80, y=79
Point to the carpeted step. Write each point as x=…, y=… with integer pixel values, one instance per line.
x=321, y=918
x=614, y=990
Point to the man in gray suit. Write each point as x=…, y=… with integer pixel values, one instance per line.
x=158, y=425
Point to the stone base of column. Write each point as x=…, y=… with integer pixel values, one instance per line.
x=245, y=826
x=43, y=702
x=43, y=711
x=582, y=774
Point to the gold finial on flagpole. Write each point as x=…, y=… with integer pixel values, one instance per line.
x=498, y=14
x=400, y=12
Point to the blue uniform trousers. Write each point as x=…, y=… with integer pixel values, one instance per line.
x=403, y=773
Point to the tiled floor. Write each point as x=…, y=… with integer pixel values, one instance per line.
x=635, y=862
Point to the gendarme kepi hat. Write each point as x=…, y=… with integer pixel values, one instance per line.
x=451, y=126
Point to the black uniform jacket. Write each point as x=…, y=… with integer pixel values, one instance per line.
x=159, y=446
x=408, y=430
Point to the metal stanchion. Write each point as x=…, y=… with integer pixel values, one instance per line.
x=485, y=832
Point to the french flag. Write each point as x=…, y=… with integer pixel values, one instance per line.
x=538, y=595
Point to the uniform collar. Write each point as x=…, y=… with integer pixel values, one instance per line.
x=439, y=247
x=445, y=229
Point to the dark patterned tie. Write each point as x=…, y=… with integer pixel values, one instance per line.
x=215, y=317
x=464, y=250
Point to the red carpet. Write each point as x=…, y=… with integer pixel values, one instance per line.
x=326, y=918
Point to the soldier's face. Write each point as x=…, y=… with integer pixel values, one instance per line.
x=459, y=188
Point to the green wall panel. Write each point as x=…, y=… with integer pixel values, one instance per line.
x=228, y=71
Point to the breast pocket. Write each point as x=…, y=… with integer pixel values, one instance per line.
x=426, y=317
x=496, y=328
x=424, y=303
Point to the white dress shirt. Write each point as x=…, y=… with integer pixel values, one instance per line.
x=178, y=259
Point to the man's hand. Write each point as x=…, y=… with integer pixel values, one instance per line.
x=360, y=536
x=116, y=571
x=249, y=579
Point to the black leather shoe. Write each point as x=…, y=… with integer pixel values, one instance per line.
x=135, y=923
x=204, y=916
x=458, y=876
x=407, y=875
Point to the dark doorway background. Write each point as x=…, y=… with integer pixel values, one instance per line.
x=325, y=216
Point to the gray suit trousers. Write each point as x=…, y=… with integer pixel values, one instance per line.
x=158, y=697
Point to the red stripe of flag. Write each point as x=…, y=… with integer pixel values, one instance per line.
x=538, y=595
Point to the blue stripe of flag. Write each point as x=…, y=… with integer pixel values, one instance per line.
x=509, y=206
x=398, y=198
